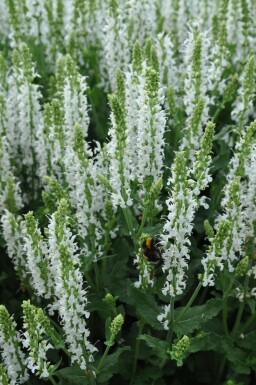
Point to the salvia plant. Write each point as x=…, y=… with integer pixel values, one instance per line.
x=127, y=192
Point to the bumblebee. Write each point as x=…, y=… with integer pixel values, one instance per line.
x=151, y=250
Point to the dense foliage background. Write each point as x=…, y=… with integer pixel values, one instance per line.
x=127, y=192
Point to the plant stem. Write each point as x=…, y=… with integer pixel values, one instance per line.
x=92, y=378
x=248, y=322
x=240, y=309
x=136, y=354
x=127, y=216
x=52, y=381
x=225, y=304
x=221, y=369
x=143, y=221
x=96, y=271
x=192, y=298
x=170, y=331
x=225, y=315
x=103, y=357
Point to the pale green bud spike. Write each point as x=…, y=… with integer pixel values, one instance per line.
x=154, y=59
x=197, y=52
x=231, y=89
x=104, y=181
x=113, y=7
x=156, y=188
x=180, y=349
x=56, y=193
x=10, y=198
x=147, y=49
x=180, y=166
x=223, y=35
x=14, y=17
x=116, y=326
x=245, y=147
x=31, y=223
x=3, y=72
x=137, y=57
x=221, y=235
x=22, y=58
x=120, y=87
x=152, y=82
x=60, y=73
x=109, y=299
x=234, y=194
x=215, y=27
x=208, y=229
x=206, y=141
x=119, y=116
x=249, y=78
x=242, y=267
x=72, y=45
x=170, y=98
x=196, y=116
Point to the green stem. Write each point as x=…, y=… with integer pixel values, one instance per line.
x=136, y=354
x=192, y=298
x=219, y=109
x=88, y=279
x=127, y=216
x=92, y=378
x=96, y=271
x=249, y=322
x=143, y=221
x=221, y=369
x=225, y=303
x=170, y=331
x=103, y=357
x=52, y=381
x=225, y=315
x=240, y=309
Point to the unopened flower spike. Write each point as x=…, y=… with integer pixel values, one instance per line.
x=180, y=349
x=116, y=326
x=137, y=57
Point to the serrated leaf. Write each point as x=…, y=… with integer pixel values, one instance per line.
x=107, y=329
x=195, y=317
x=145, y=376
x=146, y=307
x=73, y=375
x=223, y=345
x=159, y=347
x=248, y=341
x=110, y=365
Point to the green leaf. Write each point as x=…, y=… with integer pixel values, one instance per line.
x=195, y=317
x=110, y=365
x=146, y=307
x=144, y=375
x=223, y=345
x=160, y=347
x=73, y=375
x=107, y=329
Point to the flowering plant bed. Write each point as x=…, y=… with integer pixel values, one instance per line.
x=127, y=192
